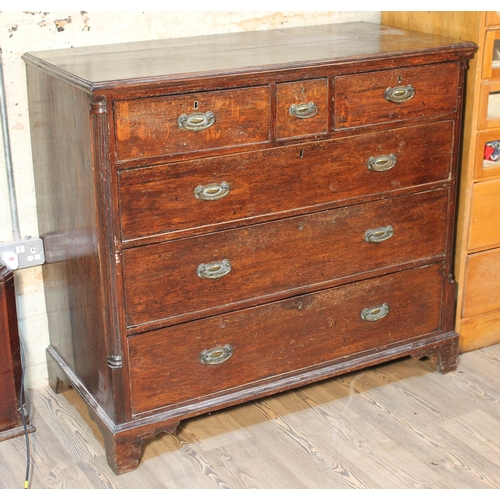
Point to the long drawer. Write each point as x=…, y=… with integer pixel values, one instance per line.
x=188, y=278
x=395, y=94
x=206, y=357
x=168, y=198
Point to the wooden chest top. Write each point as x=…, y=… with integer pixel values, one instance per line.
x=108, y=66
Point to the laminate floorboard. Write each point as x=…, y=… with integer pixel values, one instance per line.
x=400, y=425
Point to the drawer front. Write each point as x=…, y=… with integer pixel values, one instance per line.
x=368, y=98
x=236, y=187
x=178, y=124
x=482, y=286
x=192, y=277
x=259, y=343
x=484, y=228
x=301, y=108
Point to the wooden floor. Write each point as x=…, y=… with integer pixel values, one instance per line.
x=402, y=425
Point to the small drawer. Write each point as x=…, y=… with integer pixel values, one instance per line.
x=301, y=108
x=250, y=347
x=179, y=124
x=485, y=215
x=394, y=95
x=214, y=191
x=192, y=277
x=482, y=286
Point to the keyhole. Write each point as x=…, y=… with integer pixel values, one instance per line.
x=400, y=79
x=195, y=105
x=301, y=153
x=302, y=89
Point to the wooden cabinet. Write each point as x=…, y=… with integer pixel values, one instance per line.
x=477, y=258
x=229, y=217
x=11, y=419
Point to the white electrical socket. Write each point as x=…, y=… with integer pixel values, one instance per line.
x=28, y=252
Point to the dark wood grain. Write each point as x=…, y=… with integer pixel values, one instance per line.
x=149, y=127
x=302, y=93
x=109, y=66
x=160, y=200
x=283, y=337
x=10, y=358
x=280, y=258
x=69, y=225
x=14, y=418
x=124, y=234
x=359, y=100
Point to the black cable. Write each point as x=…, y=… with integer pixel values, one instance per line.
x=23, y=416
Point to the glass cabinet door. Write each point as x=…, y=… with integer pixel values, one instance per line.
x=491, y=63
x=489, y=105
x=487, y=154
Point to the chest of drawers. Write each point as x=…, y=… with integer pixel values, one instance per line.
x=230, y=216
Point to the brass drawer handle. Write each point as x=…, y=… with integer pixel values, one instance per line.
x=379, y=234
x=196, y=121
x=375, y=313
x=212, y=192
x=216, y=355
x=382, y=163
x=399, y=94
x=304, y=110
x=214, y=270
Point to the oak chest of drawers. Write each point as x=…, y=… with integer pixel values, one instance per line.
x=230, y=216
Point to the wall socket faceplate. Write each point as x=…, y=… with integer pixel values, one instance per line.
x=28, y=252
